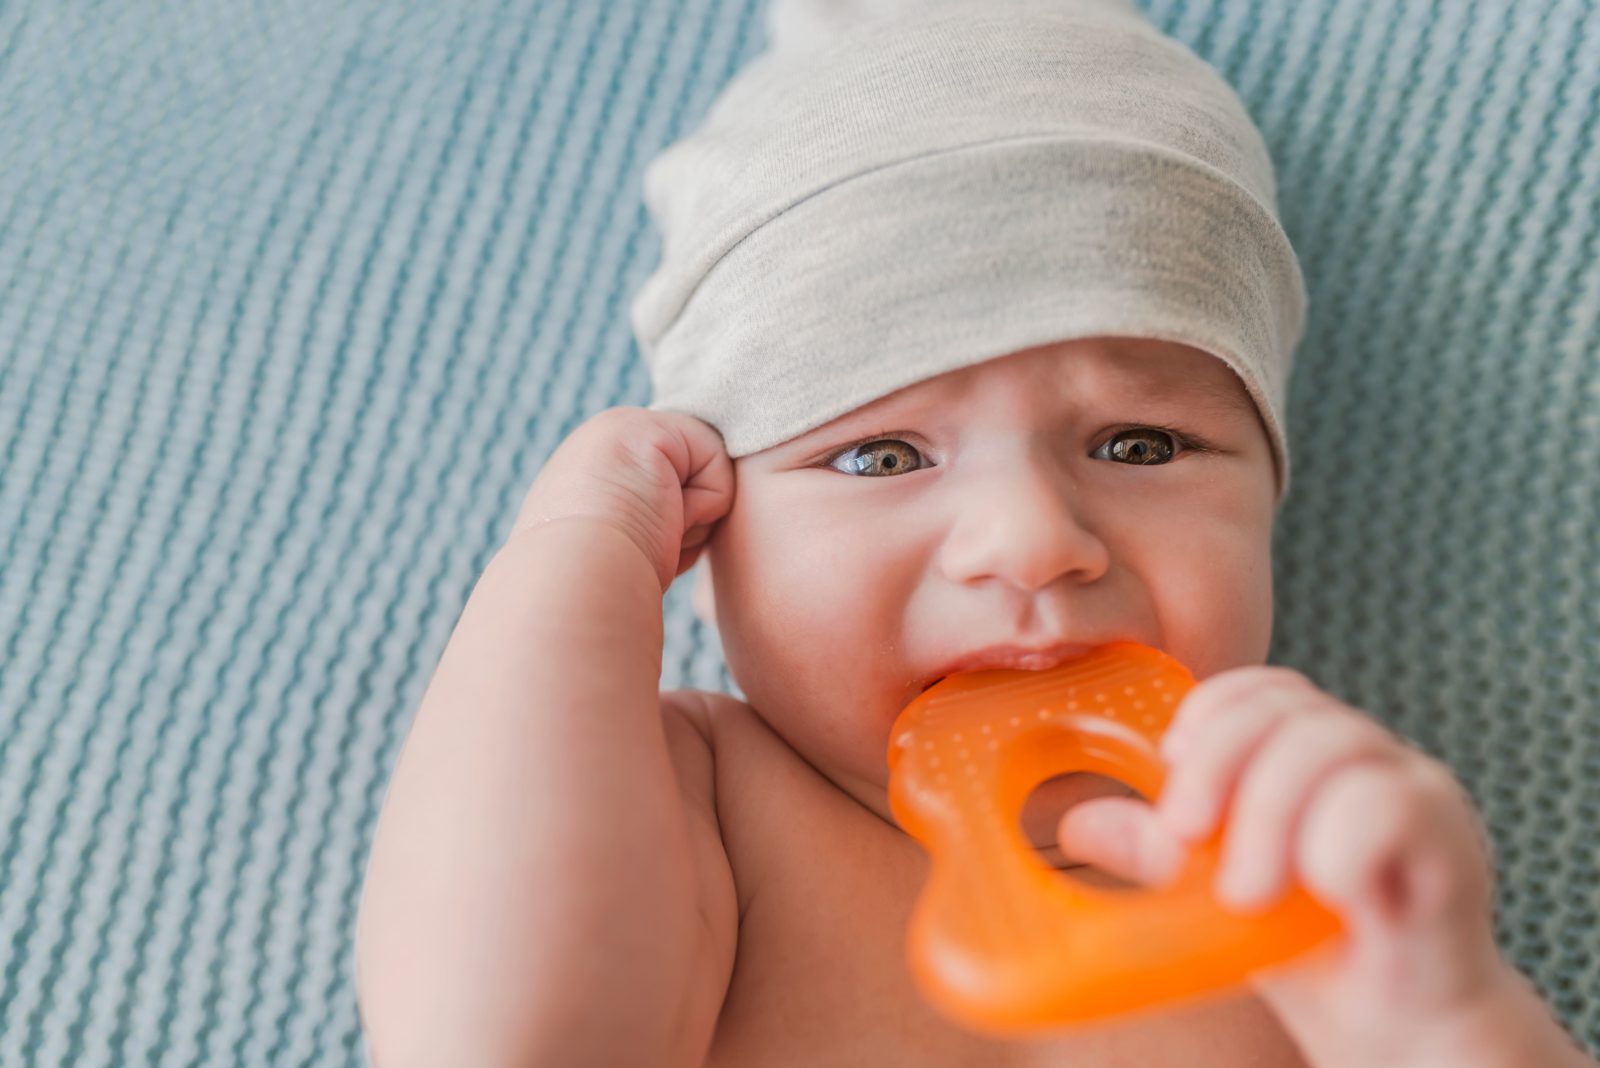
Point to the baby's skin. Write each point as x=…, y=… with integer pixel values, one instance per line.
x=573, y=868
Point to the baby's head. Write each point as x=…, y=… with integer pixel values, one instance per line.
x=1025, y=254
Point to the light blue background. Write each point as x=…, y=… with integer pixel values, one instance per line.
x=295, y=298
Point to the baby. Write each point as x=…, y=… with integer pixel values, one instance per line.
x=970, y=343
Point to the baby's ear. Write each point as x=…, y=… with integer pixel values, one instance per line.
x=705, y=602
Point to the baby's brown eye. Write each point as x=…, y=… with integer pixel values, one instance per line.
x=879, y=458
x=1140, y=446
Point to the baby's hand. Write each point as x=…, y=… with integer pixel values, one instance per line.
x=662, y=478
x=1316, y=791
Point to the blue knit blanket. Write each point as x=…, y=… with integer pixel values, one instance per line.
x=296, y=298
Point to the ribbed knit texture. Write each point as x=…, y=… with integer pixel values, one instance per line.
x=295, y=299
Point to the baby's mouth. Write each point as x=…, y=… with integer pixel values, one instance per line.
x=1009, y=657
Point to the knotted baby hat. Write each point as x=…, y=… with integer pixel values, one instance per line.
x=895, y=189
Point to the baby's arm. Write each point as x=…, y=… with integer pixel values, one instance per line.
x=542, y=888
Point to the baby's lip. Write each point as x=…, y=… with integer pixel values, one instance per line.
x=1011, y=656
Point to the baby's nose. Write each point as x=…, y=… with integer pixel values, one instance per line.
x=1026, y=532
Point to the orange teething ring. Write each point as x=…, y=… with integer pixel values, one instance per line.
x=1001, y=942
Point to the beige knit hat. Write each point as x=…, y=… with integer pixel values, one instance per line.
x=899, y=188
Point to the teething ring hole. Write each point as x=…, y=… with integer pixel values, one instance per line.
x=1041, y=815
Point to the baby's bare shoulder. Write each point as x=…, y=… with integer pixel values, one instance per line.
x=713, y=739
x=739, y=773
x=724, y=724
x=687, y=719
x=704, y=709
x=690, y=720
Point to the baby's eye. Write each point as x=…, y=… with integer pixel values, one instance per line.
x=878, y=458
x=1139, y=446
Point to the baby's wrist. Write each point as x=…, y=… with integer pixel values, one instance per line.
x=584, y=527
x=1507, y=1025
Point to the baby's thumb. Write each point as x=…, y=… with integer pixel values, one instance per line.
x=1122, y=836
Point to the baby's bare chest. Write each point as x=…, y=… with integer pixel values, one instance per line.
x=825, y=890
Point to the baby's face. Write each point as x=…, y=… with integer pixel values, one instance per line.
x=999, y=503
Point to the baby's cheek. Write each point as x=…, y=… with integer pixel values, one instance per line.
x=1216, y=607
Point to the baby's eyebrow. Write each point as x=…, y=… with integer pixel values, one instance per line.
x=1212, y=395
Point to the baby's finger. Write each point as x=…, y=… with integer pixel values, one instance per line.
x=694, y=543
x=1218, y=697
x=1388, y=845
x=1283, y=776
x=1122, y=836
x=709, y=485
x=1203, y=771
